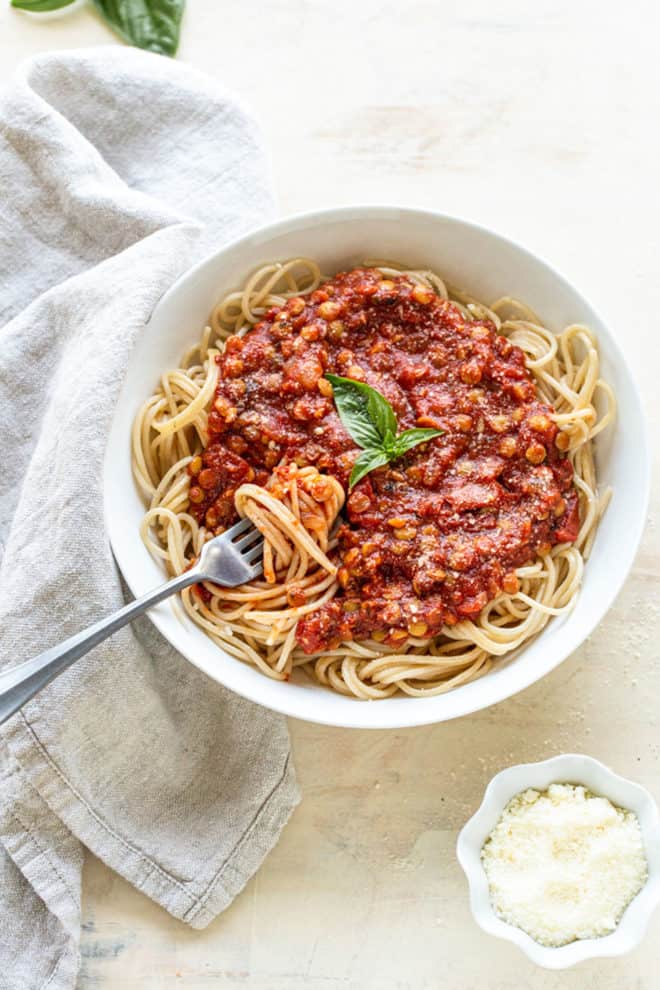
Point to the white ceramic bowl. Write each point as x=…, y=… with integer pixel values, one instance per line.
x=566, y=769
x=487, y=265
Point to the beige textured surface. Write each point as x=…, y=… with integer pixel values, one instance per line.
x=541, y=121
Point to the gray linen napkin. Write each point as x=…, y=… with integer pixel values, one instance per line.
x=110, y=162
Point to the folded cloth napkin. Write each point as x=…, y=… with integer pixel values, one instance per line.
x=117, y=168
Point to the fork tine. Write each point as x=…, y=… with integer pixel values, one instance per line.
x=237, y=529
x=254, y=572
x=248, y=539
x=254, y=553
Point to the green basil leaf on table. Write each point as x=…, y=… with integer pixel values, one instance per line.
x=367, y=461
x=40, y=6
x=150, y=24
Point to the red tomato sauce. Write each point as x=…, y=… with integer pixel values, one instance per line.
x=430, y=539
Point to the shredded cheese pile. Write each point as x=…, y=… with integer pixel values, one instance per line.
x=564, y=864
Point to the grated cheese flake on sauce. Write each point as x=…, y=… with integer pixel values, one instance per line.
x=563, y=864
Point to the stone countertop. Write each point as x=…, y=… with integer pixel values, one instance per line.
x=539, y=120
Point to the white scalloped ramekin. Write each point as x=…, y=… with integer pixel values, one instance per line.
x=569, y=768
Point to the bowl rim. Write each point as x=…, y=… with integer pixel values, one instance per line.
x=621, y=791
x=382, y=716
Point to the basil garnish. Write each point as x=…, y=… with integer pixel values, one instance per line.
x=410, y=438
x=149, y=24
x=365, y=462
x=370, y=421
x=363, y=411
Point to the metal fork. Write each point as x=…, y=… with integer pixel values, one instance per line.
x=230, y=559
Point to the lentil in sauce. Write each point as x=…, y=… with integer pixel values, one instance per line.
x=432, y=538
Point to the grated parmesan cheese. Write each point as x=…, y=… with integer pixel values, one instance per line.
x=564, y=864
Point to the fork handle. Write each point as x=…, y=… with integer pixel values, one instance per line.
x=20, y=683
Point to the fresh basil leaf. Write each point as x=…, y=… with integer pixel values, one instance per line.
x=40, y=6
x=370, y=420
x=381, y=412
x=367, y=461
x=389, y=443
x=150, y=24
x=352, y=402
x=410, y=438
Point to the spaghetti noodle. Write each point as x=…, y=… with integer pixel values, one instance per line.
x=297, y=507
